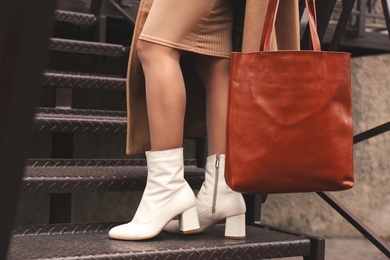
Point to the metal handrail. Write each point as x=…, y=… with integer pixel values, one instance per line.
x=364, y=11
x=122, y=11
x=333, y=202
x=356, y=222
x=371, y=132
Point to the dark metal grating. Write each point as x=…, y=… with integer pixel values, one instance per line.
x=95, y=179
x=79, y=120
x=94, y=162
x=90, y=241
x=77, y=80
x=85, y=47
x=74, y=17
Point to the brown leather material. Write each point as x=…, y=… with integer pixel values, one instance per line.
x=290, y=120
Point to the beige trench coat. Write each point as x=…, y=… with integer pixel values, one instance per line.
x=248, y=24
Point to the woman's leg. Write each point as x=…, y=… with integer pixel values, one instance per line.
x=165, y=94
x=166, y=194
x=215, y=200
x=214, y=72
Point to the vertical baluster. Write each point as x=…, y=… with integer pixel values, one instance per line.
x=386, y=12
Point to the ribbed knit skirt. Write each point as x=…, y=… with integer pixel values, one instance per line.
x=199, y=26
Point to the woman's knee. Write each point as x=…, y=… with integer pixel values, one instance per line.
x=148, y=51
x=143, y=50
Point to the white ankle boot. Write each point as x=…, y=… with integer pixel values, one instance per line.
x=166, y=195
x=216, y=202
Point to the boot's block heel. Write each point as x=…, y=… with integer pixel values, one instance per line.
x=189, y=221
x=235, y=227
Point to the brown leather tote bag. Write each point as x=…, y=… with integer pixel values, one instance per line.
x=289, y=117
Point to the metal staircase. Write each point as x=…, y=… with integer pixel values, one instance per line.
x=81, y=59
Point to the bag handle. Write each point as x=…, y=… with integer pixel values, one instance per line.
x=269, y=25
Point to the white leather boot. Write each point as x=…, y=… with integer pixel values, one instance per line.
x=166, y=195
x=216, y=202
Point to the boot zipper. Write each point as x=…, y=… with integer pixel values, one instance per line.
x=216, y=177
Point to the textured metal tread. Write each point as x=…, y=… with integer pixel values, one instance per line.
x=78, y=80
x=74, y=17
x=85, y=47
x=79, y=120
x=78, y=73
x=90, y=241
x=69, y=179
x=94, y=162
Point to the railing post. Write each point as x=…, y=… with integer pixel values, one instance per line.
x=60, y=206
x=361, y=19
x=96, y=9
x=317, y=249
x=342, y=24
x=386, y=12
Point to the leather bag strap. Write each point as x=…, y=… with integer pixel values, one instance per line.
x=270, y=19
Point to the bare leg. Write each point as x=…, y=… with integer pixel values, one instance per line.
x=214, y=72
x=215, y=193
x=167, y=194
x=165, y=94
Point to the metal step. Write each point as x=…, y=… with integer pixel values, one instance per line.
x=74, y=17
x=79, y=80
x=86, y=47
x=79, y=120
x=90, y=241
x=66, y=176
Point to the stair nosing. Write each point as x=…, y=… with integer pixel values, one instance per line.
x=86, y=81
x=83, y=18
x=79, y=120
x=86, y=47
x=95, y=179
x=261, y=242
x=91, y=162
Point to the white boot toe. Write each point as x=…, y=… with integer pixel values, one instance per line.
x=166, y=195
